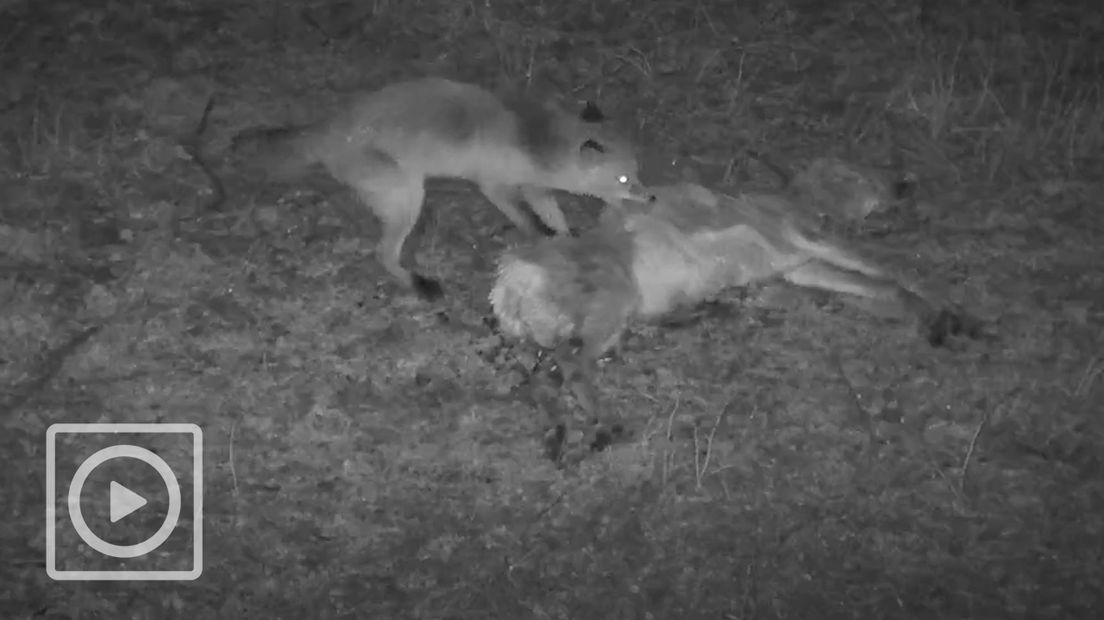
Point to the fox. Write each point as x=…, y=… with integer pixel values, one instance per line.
x=647, y=260
x=384, y=144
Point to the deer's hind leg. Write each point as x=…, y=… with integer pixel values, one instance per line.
x=937, y=324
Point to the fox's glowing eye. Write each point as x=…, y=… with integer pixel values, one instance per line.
x=623, y=180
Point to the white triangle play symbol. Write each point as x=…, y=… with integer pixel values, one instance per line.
x=124, y=501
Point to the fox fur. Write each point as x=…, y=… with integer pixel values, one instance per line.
x=647, y=260
x=384, y=144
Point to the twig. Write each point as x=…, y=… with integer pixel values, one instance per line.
x=193, y=147
x=667, y=447
x=233, y=472
x=49, y=368
x=861, y=415
x=970, y=451
x=671, y=418
x=700, y=471
x=1092, y=371
x=926, y=452
x=313, y=23
x=535, y=522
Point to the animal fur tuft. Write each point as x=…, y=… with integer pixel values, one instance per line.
x=523, y=304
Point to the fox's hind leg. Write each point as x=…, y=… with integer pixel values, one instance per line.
x=545, y=206
x=396, y=198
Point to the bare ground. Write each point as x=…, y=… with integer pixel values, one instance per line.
x=364, y=456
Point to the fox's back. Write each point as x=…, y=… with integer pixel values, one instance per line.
x=439, y=127
x=424, y=125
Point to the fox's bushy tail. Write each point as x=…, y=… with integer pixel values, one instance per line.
x=280, y=153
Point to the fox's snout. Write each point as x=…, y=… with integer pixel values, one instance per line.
x=637, y=192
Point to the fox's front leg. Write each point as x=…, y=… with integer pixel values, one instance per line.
x=506, y=199
x=545, y=207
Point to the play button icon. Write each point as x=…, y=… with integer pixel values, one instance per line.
x=124, y=501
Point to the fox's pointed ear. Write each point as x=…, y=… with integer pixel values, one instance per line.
x=593, y=146
x=591, y=153
x=591, y=113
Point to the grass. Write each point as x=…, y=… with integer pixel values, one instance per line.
x=363, y=455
